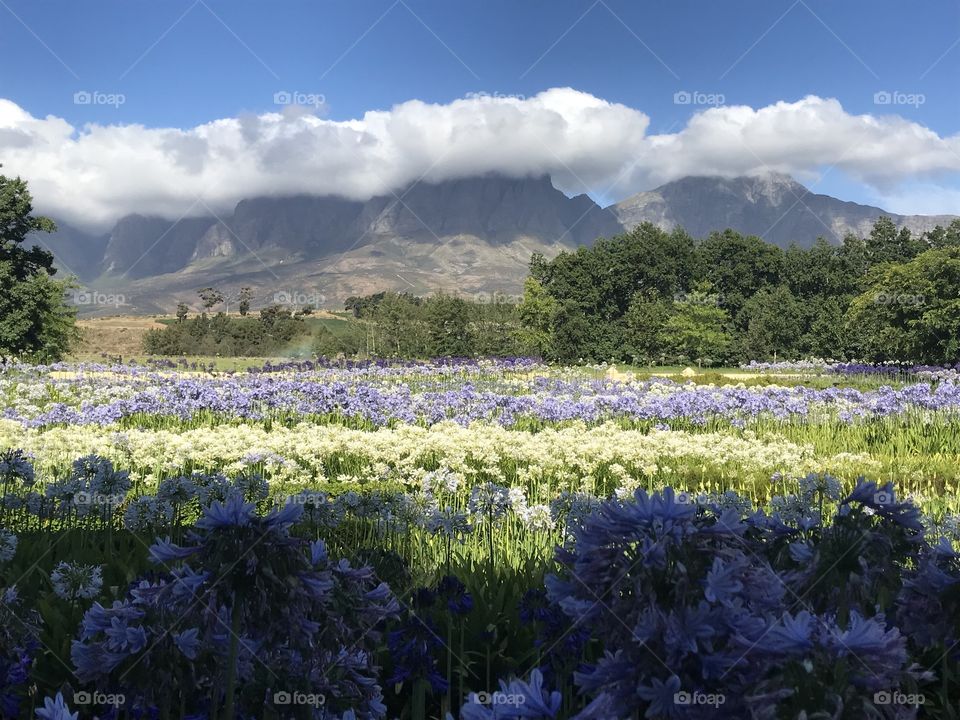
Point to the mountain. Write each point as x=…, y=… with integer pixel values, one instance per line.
x=141, y=246
x=773, y=206
x=470, y=236
x=75, y=251
x=473, y=235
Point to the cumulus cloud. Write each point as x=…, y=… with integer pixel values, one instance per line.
x=94, y=174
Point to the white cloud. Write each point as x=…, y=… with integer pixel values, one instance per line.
x=92, y=175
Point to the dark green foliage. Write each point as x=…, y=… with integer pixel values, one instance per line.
x=275, y=332
x=383, y=325
x=209, y=297
x=243, y=299
x=698, y=330
x=737, y=267
x=911, y=311
x=773, y=318
x=35, y=321
x=652, y=297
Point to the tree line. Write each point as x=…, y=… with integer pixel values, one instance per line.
x=656, y=297
x=381, y=325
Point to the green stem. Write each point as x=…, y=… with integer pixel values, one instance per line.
x=419, y=698
x=235, y=618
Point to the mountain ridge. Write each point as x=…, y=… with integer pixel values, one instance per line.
x=472, y=235
x=774, y=206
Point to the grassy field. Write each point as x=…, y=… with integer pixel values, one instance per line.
x=121, y=337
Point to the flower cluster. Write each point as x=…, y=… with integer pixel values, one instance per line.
x=74, y=581
x=415, y=645
x=766, y=617
x=423, y=393
x=19, y=646
x=15, y=467
x=244, y=610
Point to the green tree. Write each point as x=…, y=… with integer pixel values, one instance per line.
x=244, y=298
x=823, y=270
x=537, y=312
x=495, y=327
x=644, y=323
x=911, y=312
x=697, y=329
x=940, y=237
x=209, y=297
x=182, y=311
x=774, y=324
x=826, y=336
x=395, y=318
x=447, y=320
x=737, y=266
x=888, y=244
x=574, y=334
x=35, y=321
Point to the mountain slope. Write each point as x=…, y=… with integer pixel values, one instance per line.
x=774, y=207
x=473, y=236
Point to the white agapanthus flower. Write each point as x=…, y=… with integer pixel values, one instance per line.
x=74, y=581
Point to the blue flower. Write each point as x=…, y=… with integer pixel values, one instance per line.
x=459, y=601
x=188, y=642
x=870, y=640
x=8, y=545
x=791, y=635
x=233, y=512
x=164, y=551
x=516, y=699
x=883, y=501
x=800, y=552
x=661, y=697
x=318, y=554
x=723, y=581
x=56, y=709
x=284, y=516
x=15, y=465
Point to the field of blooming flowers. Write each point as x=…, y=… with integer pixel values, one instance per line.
x=479, y=540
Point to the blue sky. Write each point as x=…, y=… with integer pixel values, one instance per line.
x=183, y=63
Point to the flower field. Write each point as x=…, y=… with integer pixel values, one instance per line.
x=478, y=539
